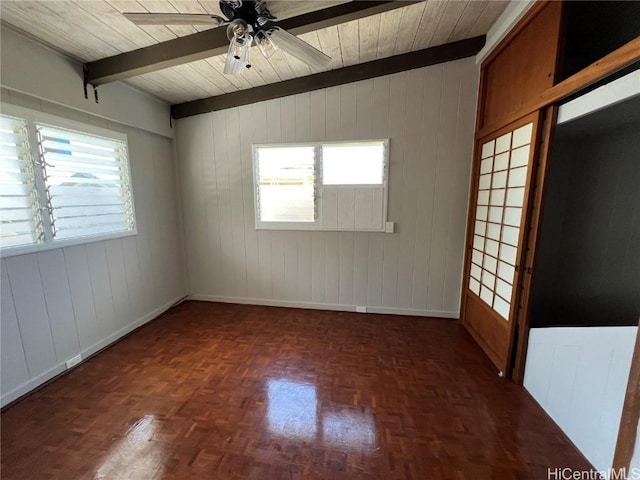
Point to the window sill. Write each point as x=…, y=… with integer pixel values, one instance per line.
x=43, y=247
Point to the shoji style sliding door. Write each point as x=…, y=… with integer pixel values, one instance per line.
x=496, y=233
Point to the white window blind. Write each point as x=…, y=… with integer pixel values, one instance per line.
x=20, y=218
x=286, y=184
x=62, y=183
x=87, y=183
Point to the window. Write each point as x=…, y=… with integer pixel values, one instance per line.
x=353, y=163
x=321, y=186
x=61, y=183
x=286, y=184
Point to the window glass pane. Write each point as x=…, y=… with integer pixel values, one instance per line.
x=353, y=164
x=87, y=177
x=286, y=179
x=20, y=218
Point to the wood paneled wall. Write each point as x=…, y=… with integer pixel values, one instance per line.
x=428, y=115
x=523, y=67
x=579, y=376
x=64, y=302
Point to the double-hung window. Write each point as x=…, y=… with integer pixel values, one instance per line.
x=321, y=186
x=61, y=183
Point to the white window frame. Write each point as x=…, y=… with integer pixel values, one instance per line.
x=33, y=117
x=319, y=187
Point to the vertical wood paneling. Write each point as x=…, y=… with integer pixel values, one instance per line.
x=133, y=276
x=141, y=165
x=364, y=202
x=82, y=295
x=397, y=129
x=223, y=196
x=57, y=295
x=431, y=107
x=410, y=187
x=59, y=303
x=14, y=369
x=250, y=233
x=232, y=119
x=28, y=298
x=211, y=249
x=419, y=267
x=101, y=283
x=118, y=281
x=265, y=289
x=579, y=376
x=444, y=179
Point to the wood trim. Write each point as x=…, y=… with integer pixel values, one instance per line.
x=210, y=43
x=630, y=413
x=515, y=31
x=354, y=73
x=607, y=65
x=532, y=227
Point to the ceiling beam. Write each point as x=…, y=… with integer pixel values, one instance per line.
x=340, y=76
x=210, y=43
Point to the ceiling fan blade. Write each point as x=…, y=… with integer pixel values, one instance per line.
x=174, y=19
x=298, y=48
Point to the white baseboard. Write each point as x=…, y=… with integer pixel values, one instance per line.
x=324, y=306
x=35, y=382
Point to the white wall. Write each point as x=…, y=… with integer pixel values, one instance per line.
x=427, y=113
x=30, y=68
x=64, y=302
x=579, y=376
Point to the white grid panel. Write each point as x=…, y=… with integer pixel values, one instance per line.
x=504, y=167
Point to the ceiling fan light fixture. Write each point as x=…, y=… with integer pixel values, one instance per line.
x=298, y=48
x=237, y=28
x=238, y=54
x=266, y=46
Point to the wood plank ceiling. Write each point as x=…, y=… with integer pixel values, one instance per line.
x=91, y=30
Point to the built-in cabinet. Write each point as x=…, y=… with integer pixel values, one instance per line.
x=553, y=234
x=538, y=65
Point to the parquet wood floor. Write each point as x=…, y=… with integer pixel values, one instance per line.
x=215, y=391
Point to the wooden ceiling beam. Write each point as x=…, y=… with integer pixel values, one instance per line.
x=210, y=43
x=340, y=76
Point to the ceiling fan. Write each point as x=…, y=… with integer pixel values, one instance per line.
x=247, y=21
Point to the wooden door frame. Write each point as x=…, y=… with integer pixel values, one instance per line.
x=533, y=231
x=535, y=118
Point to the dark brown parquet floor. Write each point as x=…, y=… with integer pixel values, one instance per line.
x=215, y=391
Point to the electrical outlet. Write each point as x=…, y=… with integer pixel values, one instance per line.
x=361, y=309
x=72, y=362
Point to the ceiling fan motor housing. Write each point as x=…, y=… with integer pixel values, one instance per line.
x=254, y=13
